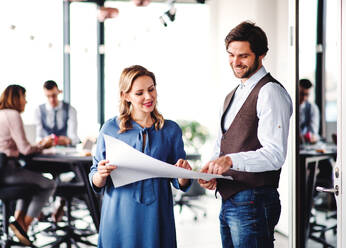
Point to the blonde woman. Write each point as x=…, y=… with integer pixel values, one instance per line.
x=139, y=214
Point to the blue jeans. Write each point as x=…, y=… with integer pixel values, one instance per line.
x=248, y=218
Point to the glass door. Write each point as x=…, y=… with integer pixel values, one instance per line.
x=318, y=212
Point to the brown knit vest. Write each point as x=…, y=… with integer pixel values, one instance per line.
x=242, y=137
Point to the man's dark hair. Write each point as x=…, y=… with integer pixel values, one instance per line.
x=248, y=31
x=50, y=84
x=305, y=83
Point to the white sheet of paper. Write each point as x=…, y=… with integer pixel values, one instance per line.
x=134, y=165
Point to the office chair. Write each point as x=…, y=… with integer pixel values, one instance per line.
x=317, y=231
x=71, y=234
x=185, y=199
x=8, y=195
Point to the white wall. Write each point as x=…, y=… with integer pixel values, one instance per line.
x=272, y=17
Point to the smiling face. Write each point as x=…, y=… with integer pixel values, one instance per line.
x=142, y=96
x=243, y=60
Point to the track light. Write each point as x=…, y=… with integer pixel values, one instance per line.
x=162, y=20
x=141, y=3
x=169, y=15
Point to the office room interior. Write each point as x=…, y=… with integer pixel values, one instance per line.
x=190, y=62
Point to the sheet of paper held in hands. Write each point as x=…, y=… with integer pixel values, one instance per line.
x=133, y=165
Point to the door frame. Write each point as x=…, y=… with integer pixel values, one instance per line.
x=295, y=237
x=341, y=130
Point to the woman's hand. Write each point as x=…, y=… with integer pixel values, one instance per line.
x=46, y=142
x=183, y=164
x=103, y=171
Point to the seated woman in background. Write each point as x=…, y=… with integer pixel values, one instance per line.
x=13, y=142
x=139, y=214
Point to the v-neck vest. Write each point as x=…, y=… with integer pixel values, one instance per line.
x=51, y=130
x=241, y=136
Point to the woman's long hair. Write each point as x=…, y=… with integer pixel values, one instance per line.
x=10, y=98
x=128, y=76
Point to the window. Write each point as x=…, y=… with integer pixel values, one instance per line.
x=331, y=63
x=179, y=55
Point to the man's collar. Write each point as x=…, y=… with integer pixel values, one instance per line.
x=255, y=78
x=49, y=107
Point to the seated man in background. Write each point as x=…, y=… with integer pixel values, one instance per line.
x=309, y=126
x=309, y=115
x=56, y=119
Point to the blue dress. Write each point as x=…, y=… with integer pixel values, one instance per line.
x=140, y=214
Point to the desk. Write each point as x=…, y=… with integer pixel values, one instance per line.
x=309, y=159
x=57, y=163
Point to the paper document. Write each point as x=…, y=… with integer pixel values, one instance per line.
x=133, y=165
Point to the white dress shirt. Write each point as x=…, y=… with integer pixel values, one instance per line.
x=314, y=113
x=71, y=123
x=274, y=109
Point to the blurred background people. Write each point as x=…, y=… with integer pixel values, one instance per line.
x=309, y=114
x=13, y=142
x=56, y=119
x=309, y=119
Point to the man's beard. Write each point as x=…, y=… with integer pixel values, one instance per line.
x=250, y=71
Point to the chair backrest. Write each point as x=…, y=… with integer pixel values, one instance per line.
x=195, y=190
x=30, y=132
x=3, y=161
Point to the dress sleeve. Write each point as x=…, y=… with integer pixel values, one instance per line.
x=178, y=152
x=100, y=154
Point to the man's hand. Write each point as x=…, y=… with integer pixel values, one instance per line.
x=211, y=184
x=217, y=166
x=220, y=165
x=183, y=164
x=63, y=141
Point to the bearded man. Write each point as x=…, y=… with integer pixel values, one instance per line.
x=251, y=145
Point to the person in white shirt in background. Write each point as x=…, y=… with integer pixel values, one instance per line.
x=309, y=114
x=56, y=120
